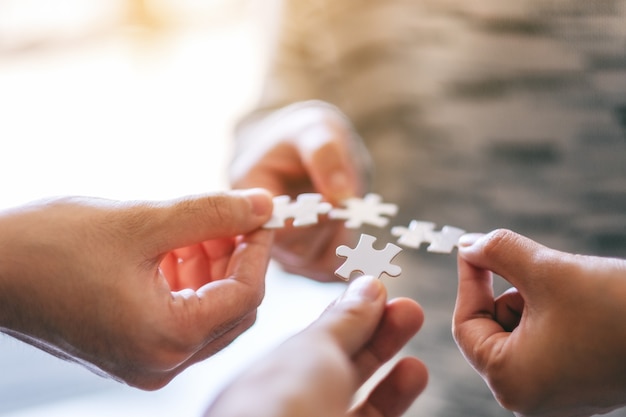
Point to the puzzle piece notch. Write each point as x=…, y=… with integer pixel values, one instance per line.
x=420, y=232
x=367, y=210
x=304, y=211
x=368, y=260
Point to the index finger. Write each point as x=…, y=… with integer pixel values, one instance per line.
x=225, y=301
x=401, y=320
x=351, y=320
x=474, y=327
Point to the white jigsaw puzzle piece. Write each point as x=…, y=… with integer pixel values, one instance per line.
x=416, y=234
x=366, y=259
x=304, y=211
x=367, y=210
x=445, y=240
x=280, y=212
x=420, y=232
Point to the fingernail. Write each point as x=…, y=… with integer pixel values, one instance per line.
x=469, y=239
x=260, y=200
x=365, y=288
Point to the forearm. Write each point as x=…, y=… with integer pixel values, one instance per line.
x=8, y=280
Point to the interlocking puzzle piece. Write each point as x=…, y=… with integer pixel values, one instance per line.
x=367, y=210
x=304, y=211
x=424, y=232
x=417, y=233
x=366, y=259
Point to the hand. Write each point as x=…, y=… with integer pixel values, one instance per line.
x=135, y=291
x=306, y=147
x=556, y=344
x=317, y=372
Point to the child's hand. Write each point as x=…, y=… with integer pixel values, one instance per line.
x=135, y=291
x=317, y=372
x=305, y=147
x=555, y=346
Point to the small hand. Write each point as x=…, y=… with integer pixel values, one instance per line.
x=553, y=346
x=317, y=372
x=135, y=291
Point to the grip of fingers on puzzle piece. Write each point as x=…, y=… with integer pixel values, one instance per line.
x=366, y=259
x=304, y=211
x=367, y=210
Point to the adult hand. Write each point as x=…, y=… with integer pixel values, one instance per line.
x=555, y=345
x=305, y=147
x=134, y=290
x=317, y=372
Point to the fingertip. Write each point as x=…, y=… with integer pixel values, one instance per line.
x=485, y=250
x=408, y=310
x=353, y=317
x=471, y=246
x=416, y=372
x=340, y=187
x=261, y=237
x=365, y=288
x=399, y=388
x=469, y=239
x=260, y=201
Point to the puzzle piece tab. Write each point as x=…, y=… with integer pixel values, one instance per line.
x=424, y=232
x=366, y=259
x=367, y=210
x=304, y=211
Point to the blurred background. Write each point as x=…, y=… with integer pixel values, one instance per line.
x=129, y=99
x=89, y=90
x=517, y=119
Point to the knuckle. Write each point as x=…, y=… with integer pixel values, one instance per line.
x=218, y=209
x=252, y=298
x=498, y=239
x=353, y=311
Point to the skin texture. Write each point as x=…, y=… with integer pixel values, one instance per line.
x=317, y=372
x=306, y=147
x=555, y=345
x=136, y=291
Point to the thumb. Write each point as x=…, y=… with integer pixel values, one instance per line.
x=352, y=319
x=190, y=220
x=516, y=258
